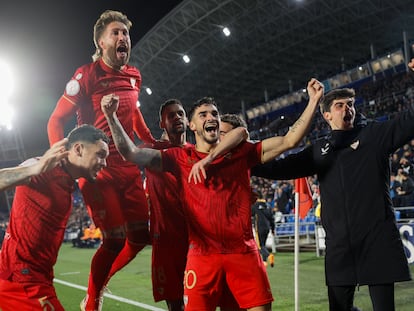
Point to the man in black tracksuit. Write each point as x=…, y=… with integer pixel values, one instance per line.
x=264, y=221
x=363, y=245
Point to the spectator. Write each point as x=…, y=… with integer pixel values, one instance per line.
x=395, y=184
x=283, y=198
x=395, y=163
x=279, y=218
x=316, y=198
x=407, y=166
x=406, y=194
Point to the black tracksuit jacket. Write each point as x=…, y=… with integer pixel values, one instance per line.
x=363, y=244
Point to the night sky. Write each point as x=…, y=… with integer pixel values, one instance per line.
x=45, y=41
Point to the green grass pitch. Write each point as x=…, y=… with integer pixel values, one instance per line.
x=133, y=283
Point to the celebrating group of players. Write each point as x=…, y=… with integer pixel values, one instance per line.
x=199, y=198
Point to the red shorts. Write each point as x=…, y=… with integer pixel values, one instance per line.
x=168, y=265
x=28, y=296
x=207, y=276
x=116, y=198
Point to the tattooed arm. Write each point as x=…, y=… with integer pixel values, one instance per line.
x=272, y=147
x=150, y=158
x=13, y=176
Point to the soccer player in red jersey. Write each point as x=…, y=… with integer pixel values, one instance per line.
x=41, y=208
x=222, y=250
x=116, y=201
x=167, y=222
x=167, y=225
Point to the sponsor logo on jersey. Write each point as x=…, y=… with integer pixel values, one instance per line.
x=355, y=145
x=325, y=149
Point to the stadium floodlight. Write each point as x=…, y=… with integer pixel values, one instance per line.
x=6, y=80
x=186, y=58
x=6, y=89
x=6, y=117
x=226, y=31
x=148, y=90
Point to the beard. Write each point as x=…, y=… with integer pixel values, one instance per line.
x=207, y=138
x=112, y=55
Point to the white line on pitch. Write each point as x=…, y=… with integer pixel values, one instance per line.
x=121, y=299
x=70, y=273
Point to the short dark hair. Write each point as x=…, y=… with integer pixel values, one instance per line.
x=233, y=119
x=328, y=99
x=199, y=103
x=86, y=133
x=169, y=102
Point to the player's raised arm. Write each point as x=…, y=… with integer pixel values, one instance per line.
x=149, y=158
x=272, y=147
x=13, y=176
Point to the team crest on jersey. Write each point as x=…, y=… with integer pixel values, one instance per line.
x=133, y=81
x=72, y=87
x=78, y=76
x=104, y=84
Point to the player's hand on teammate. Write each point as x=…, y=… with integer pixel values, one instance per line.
x=52, y=157
x=198, y=171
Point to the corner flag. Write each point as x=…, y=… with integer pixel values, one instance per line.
x=305, y=196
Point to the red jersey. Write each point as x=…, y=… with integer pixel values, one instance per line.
x=167, y=224
x=36, y=229
x=91, y=82
x=218, y=211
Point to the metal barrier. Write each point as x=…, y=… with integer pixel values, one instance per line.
x=285, y=232
x=312, y=234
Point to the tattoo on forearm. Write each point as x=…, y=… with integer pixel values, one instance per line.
x=118, y=136
x=120, y=141
x=298, y=123
x=10, y=177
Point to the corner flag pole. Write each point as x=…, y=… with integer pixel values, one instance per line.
x=296, y=264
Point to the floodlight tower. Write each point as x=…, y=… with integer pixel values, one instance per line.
x=12, y=150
